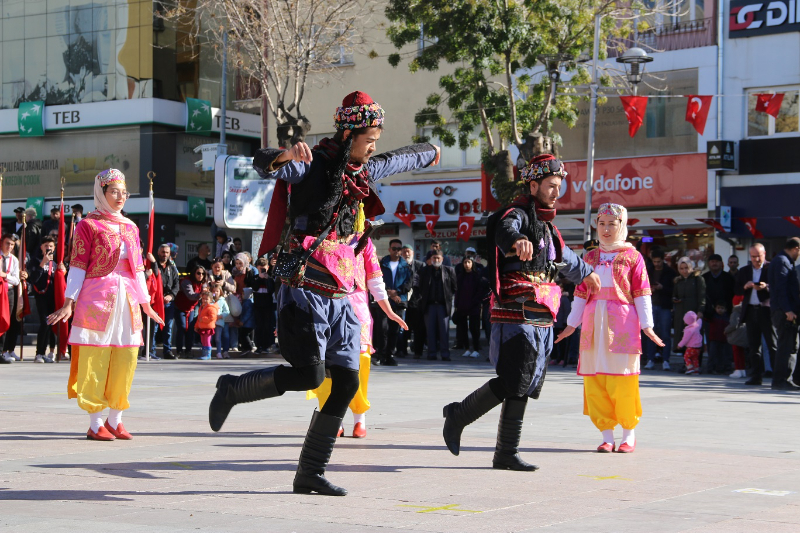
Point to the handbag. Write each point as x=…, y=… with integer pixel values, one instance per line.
x=234, y=304
x=290, y=267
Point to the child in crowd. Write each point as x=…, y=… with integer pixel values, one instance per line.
x=718, y=350
x=736, y=333
x=206, y=322
x=221, y=337
x=693, y=341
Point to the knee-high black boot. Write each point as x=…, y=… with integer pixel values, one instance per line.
x=458, y=415
x=509, y=431
x=317, y=449
x=249, y=387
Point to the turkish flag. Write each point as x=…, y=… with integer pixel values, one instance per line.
x=488, y=200
x=793, y=220
x=751, y=222
x=697, y=111
x=155, y=286
x=711, y=222
x=769, y=103
x=633, y=221
x=405, y=218
x=634, y=107
x=667, y=221
x=430, y=223
x=61, y=329
x=579, y=220
x=465, y=228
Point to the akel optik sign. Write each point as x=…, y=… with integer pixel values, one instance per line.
x=750, y=18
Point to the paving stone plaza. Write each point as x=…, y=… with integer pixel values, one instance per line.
x=712, y=455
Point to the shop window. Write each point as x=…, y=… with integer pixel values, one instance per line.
x=453, y=157
x=655, y=117
x=764, y=125
x=425, y=41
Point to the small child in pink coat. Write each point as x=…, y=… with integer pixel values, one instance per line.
x=693, y=341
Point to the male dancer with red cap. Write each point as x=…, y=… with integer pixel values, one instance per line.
x=317, y=327
x=526, y=252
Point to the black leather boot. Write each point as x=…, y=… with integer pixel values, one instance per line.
x=317, y=449
x=249, y=387
x=509, y=431
x=458, y=415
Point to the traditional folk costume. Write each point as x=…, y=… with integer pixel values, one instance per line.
x=368, y=277
x=317, y=326
x=611, y=321
x=525, y=302
x=106, y=282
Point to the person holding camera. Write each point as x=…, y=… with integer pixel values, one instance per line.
x=41, y=276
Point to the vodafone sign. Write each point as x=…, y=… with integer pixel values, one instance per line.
x=750, y=18
x=657, y=181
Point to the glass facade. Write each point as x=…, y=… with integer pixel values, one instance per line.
x=81, y=51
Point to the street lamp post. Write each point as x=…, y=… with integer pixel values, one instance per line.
x=634, y=60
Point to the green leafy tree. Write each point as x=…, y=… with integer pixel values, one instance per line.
x=491, y=45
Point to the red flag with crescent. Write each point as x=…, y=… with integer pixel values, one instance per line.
x=769, y=103
x=465, y=228
x=61, y=329
x=406, y=218
x=633, y=221
x=751, y=222
x=793, y=220
x=697, y=111
x=430, y=223
x=635, y=107
x=711, y=222
x=667, y=221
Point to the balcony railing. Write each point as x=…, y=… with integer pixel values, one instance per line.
x=680, y=35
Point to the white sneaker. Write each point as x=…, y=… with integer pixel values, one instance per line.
x=467, y=354
x=49, y=359
x=13, y=355
x=665, y=365
x=475, y=354
x=39, y=358
x=738, y=374
x=650, y=365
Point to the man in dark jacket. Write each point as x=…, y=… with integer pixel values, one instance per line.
x=785, y=307
x=33, y=232
x=752, y=282
x=169, y=281
x=53, y=222
x=662, y=278
x=437, y=285
x=41, y=273
x=719, y=286
x=414, y=316
x=398, y=278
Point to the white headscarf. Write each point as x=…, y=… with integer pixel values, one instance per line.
x=620, y=213
x=107, y=177
x=245, y=262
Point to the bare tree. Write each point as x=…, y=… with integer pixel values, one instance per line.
x=278, y=47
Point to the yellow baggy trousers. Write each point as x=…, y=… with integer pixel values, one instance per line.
x=612, y=400
x=104, y=377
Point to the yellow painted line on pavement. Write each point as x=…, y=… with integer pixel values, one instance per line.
x=451, y=507
x=187, y=467
x=601, y=478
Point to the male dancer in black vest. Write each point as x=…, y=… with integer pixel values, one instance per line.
x=526, y=252
x=317, y=327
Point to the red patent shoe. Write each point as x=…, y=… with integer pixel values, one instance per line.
x=120, y=432
x=359, y=431
x=341, y=432
x=606, y=447
x=102, y=434
x=626, y=448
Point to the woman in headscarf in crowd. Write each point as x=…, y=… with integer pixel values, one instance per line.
x=610, y=321
x=106, y=283
x=245, y=322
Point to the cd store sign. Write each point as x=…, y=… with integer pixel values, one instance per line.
x=750, y=18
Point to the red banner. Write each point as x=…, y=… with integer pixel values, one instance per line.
x=793, y=220
x=697, y=111
x=465, y=228
x=405, y=218
x=653, y=181
x=713, y=223
x=751, y=222
x=635, y=107
x=430, y=223
x=667, y=221
x=633, y=221
x=769, y=103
